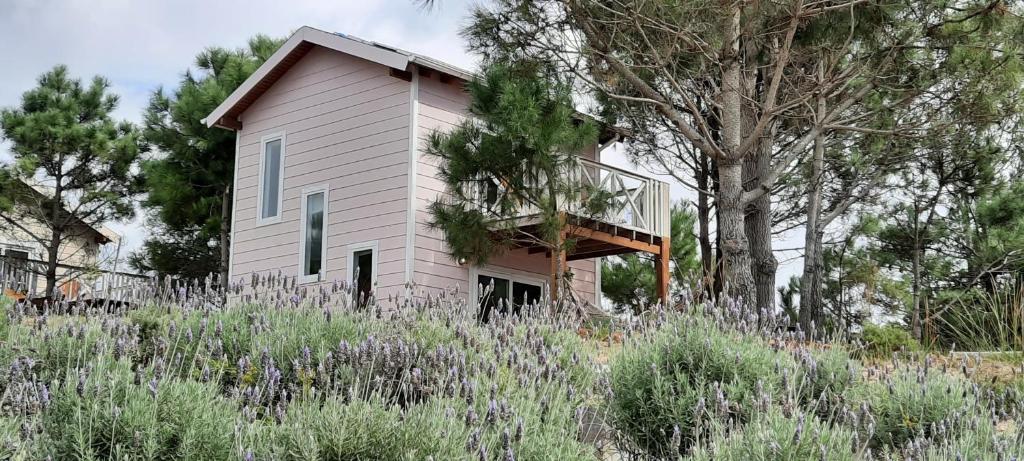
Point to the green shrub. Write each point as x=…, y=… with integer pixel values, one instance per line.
x=772, y=435
x=826, y=375
x=911, y=403
x=883, y=341
x=980, y=441
x=104, y=415
x=660, y=382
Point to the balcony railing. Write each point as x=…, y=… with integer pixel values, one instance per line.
x=22, y=278
x=629, y=200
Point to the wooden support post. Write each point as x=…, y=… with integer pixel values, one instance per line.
x=558, y=263
x=662, y=272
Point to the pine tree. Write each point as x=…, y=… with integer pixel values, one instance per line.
x=515, y=152
x=628, y=281
x=80, y=162
x=189, y=183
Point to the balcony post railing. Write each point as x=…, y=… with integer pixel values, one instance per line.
x=639, y=203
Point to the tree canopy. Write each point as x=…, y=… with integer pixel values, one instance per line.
x=189, y=179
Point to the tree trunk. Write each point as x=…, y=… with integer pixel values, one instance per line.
x=811, y=284
x=56, y=233
x=736, y=275
x=739, y=282
x=704, y=224
x=814, y=264
x=758, y=227
x=915, y=315
x=52, y=255
x=718, y=285
x=225, y=237
x=810, y=316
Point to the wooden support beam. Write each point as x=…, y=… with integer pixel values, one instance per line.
x=400, y=74
x=228, y=122
x=638, y=245
x=558, y=266
x=611, y=251
x=662, y=272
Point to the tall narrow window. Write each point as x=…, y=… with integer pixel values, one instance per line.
x=271, y=177
x=313, y=235
x=362, y=270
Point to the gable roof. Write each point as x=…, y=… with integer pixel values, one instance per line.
x=303, y=40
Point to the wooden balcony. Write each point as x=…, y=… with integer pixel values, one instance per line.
x=637, y=217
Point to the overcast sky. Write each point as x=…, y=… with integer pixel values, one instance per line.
x=142, y=45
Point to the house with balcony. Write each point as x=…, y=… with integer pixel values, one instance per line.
x=332, y=181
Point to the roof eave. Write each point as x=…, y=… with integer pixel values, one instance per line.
x=221, y=116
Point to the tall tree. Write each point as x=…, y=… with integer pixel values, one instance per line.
x=80, y=163
x=518, y=150
x=190, y=180
x=735, y=80
x=629, y=281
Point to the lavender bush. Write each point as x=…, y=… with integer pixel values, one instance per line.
x=714, y=384
x=286, y=372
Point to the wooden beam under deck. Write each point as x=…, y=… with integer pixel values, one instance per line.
x=638, y=245
x=597, y=239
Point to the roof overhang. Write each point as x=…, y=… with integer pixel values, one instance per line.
x=227, y=113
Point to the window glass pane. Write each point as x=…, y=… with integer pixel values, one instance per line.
x=271, y=178
x=314, y=244
x=364, y=277
x=490, y=300
x=524, y=294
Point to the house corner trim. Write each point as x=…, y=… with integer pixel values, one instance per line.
x=410, y=220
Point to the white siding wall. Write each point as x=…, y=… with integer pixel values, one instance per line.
x=347, y=125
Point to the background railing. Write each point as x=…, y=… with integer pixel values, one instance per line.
x=634, y=202
x=23, y=278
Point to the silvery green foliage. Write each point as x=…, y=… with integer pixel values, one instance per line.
x=712, y=383
x=775, y=434
x=284, y=371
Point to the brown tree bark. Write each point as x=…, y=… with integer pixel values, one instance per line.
x=739, y=282
x=707, y=258
x=737, y=277
x=56, y=234
x=758, y=228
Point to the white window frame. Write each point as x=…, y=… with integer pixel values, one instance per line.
x=35, y=251
x=512, y=277
x=354, y=248
x=260, y=220
x=322, y=275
